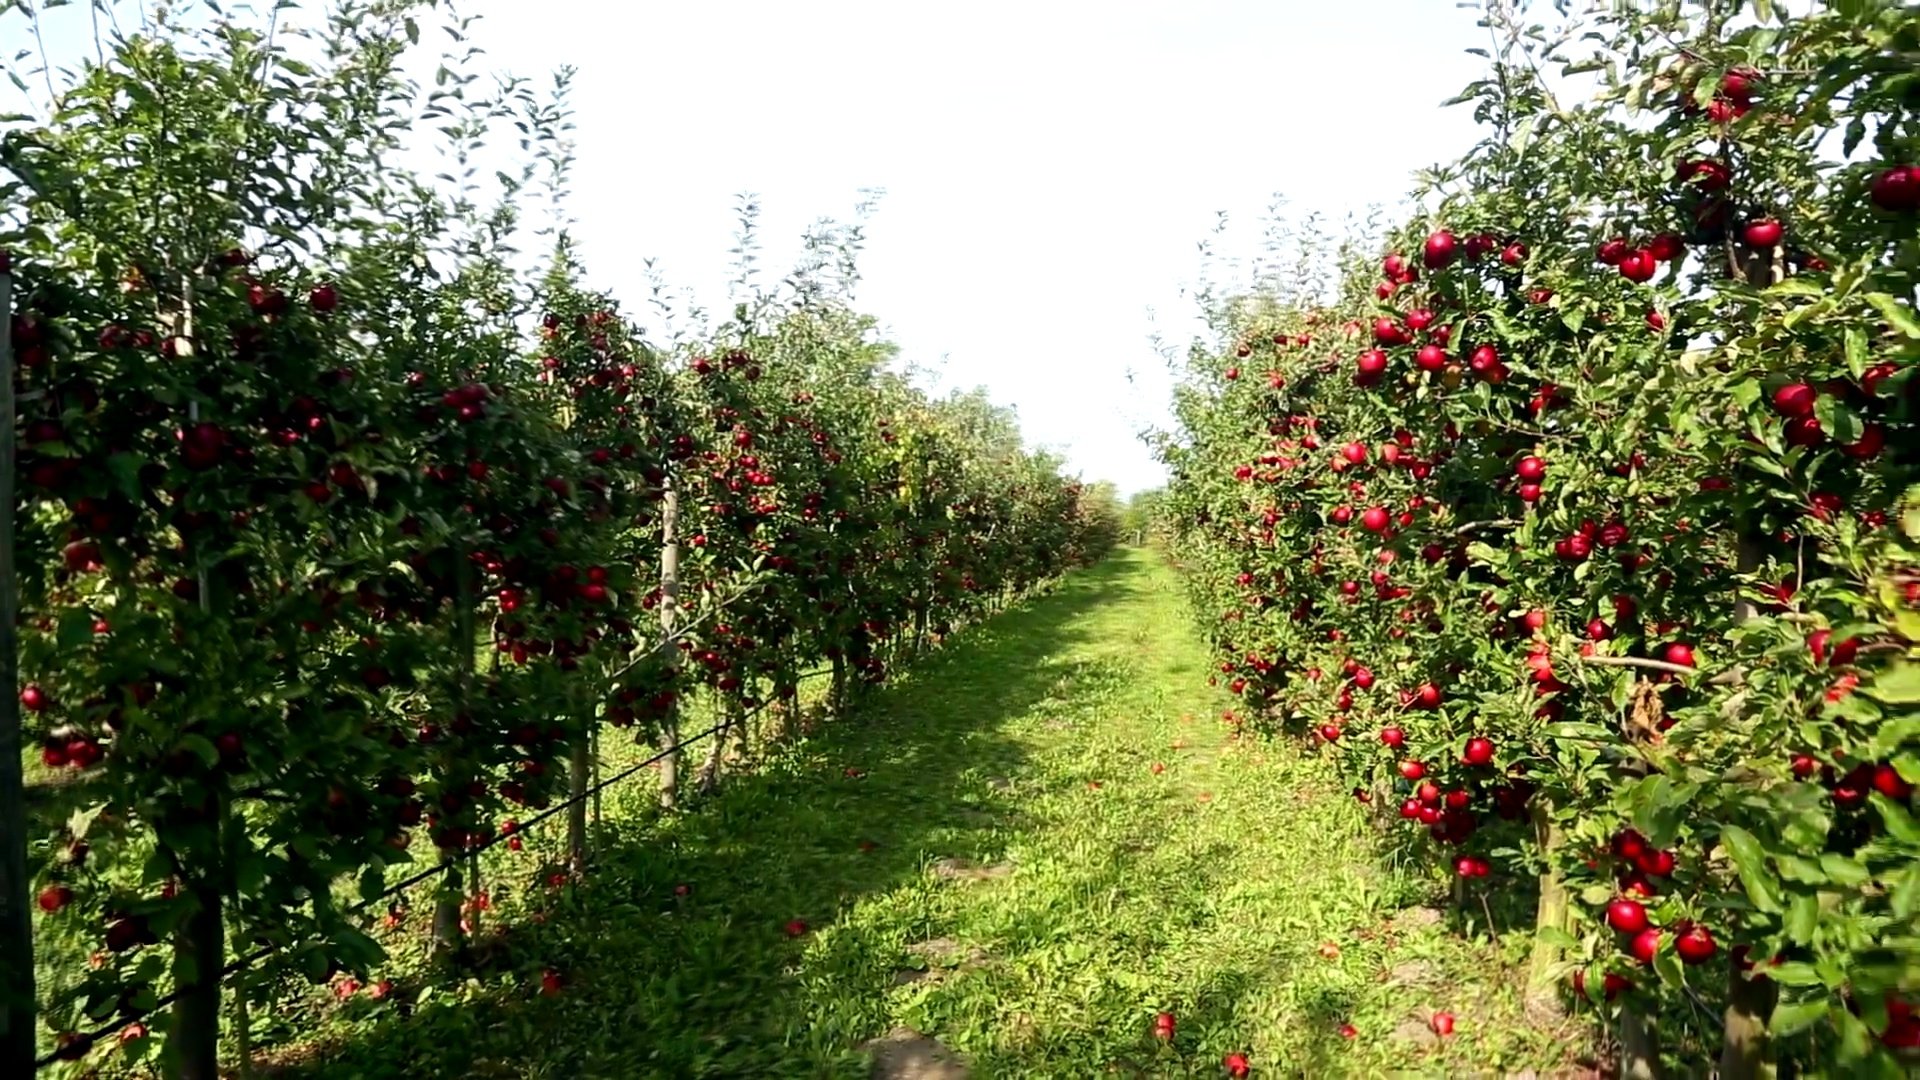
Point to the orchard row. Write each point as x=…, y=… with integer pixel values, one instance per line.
x=339, y=539
x=1579, y=525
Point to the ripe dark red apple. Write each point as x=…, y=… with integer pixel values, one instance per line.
x=1644, y=945
x=323, y=298
x=1897, y=190
x=1354, y=452
x=1765, y=233
x=1237, y=1066
x=33, y=699
x=1694, y=945
x=1794, y=400
x=1413, y=770
x=1442, y=1024
x=1370, y=365
x=1393, y=737
x=1479, y=751
x=54, y=897
x=1388, y=332
x=1873, y=439
x=1887, y=781
x=1627, y=916
x=1679, y=653
x=1531, y=469
x=1638, y=267
x=796, y=927
x=1439, y=250
x=1375, y=519
x=1163, y=1025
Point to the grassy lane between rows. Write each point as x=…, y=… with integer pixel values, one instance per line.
x=1037, y=841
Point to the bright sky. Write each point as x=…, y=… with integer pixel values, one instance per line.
x=1049, y=165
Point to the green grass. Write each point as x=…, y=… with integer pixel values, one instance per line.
x=1207, y=890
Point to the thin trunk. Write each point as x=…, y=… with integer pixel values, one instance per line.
x=1745, y=1053
x=1543, y=992
x=1639, y=1047
x=199, y=944
x=1745, y=1050
x=595, y=736
x=707, y=780
x=243, y=1030
x=18, y=1032
x=837, y=694
x=669, y=619
x=199, y=947
x=579, y=765
x=448, y=939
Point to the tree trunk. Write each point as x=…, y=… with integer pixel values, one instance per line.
x=669, y=619
x=1543, y=992
x=199, y=948
x=18, y=1032
x=1744, y=1050
x=1639, y=1047
x=448, y=941
x=837, y=694
x=707, y=780
x=579, y=765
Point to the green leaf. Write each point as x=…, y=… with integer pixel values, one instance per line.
x=1857, y=357
x=1804, y=871
x=1905, y=898
x=1794, y=973
x=1750, y=860
x=1899, y=315
x=76, y=628
x=1793, y=1017
x=1899, y=821
x=1842, y=870
x=201, y=746
x=1803, y=918
x=1897, y=685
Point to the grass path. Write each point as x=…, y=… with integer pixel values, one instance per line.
x=986, y=855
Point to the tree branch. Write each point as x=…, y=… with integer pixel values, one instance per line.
x=1639, y=662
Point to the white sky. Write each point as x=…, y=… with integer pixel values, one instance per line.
x=1049, y=166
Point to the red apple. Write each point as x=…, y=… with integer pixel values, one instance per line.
x=1695, y=945
x=1898, y=189
x=1764, y=233
x=1794, y=400
x=1479, y=751
x=1627, y=916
